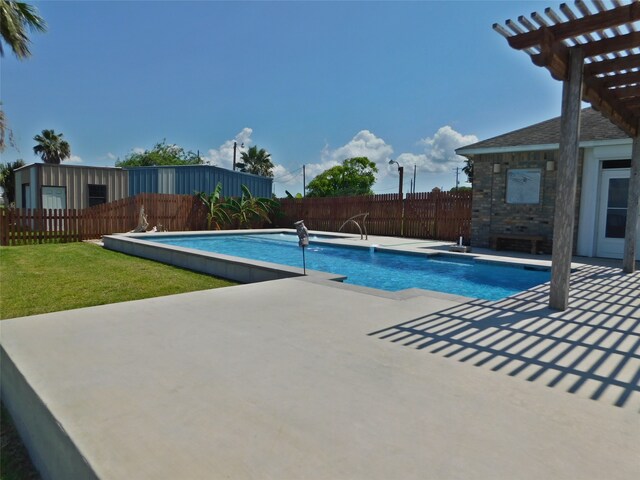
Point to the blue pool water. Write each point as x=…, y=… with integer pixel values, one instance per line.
x=373, y=268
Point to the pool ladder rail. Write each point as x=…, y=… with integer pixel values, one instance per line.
x=364, y=224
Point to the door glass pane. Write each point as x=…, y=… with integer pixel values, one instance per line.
x=618, y=193
x=616, y=222
x=617, y=207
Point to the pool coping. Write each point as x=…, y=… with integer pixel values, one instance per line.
x=245, y=270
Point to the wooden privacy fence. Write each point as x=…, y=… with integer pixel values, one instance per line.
x=433, y=215
x=329, y=213
x=173, y=212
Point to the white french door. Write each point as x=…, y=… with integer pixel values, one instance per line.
x=612, y=215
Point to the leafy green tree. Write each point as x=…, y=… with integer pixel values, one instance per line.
x=355, y=176
x=247, y=210
x=217, y=216
x=460, y=189
x=51, y=147
x=256, y=161
x=468, y=169
x=161, y=154
x=8, y=180
x=15, y=19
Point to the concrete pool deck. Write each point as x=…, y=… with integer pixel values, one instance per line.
x=303, y=378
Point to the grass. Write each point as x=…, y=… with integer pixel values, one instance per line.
x=53, y=277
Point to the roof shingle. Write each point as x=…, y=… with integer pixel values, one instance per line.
x=593, y=126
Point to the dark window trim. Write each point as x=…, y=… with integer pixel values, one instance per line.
x=103, y=198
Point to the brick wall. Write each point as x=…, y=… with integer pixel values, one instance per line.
x=492, y=215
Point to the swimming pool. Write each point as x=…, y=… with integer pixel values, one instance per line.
x=370, y=267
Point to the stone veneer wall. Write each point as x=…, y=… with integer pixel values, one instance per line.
x=491, y=215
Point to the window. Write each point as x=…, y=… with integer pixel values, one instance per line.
x=26, y=196
x=607, y=164
x=54, y=198
x=523, y=185
x=97, y=194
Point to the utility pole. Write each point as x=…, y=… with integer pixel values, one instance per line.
x=457, y=174
x=414, y=178
x=304, y=181
x=235, y=144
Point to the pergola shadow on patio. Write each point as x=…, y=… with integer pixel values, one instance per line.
x=592, y=349
x=596, y=54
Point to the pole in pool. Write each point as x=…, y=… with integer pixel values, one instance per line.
x=303, y=240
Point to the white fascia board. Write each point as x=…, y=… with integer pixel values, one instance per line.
x=24, y=167
x=539, y=148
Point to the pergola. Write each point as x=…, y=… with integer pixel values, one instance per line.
x=595, y=52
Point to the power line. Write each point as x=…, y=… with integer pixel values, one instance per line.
x=288, y=176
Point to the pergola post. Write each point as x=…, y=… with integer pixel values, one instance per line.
x=633, y=209
x=564, y=217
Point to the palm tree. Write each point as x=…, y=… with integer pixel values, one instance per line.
x=15, y=19
x=51, y=147
x=257, y=162
x=4, y=129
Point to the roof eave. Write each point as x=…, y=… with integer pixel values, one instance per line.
x=464, y=151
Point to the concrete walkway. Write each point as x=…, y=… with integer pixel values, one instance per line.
x=296, y=379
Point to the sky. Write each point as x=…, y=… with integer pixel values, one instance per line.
x=313, y=83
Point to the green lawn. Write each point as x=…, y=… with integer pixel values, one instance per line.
x=52, y=277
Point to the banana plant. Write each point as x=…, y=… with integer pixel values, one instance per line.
x=217, y=215
x=247, y=209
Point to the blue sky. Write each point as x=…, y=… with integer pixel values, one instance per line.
x=311, y=82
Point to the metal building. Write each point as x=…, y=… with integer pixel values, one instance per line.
x=42, y=185
x=189, y=179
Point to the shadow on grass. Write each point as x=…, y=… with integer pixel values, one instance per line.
x=591, y=349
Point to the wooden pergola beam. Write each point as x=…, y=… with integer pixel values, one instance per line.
x=606, y=101
x=613, y=44
x=598, y=21
x=622, y=79
x=626, y=92
x=612, y=65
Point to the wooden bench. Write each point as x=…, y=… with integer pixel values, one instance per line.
x=534, y=239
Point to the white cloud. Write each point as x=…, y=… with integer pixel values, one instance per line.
x=139, y=150
x=111, y=156
x=439, y=151
x=286, y=177
x=223, y=156
x=73, y=159
x=363, y=144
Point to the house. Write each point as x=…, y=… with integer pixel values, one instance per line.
x=514, y=187
x=42, y=185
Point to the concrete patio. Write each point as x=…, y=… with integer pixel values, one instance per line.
x=303, y=378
